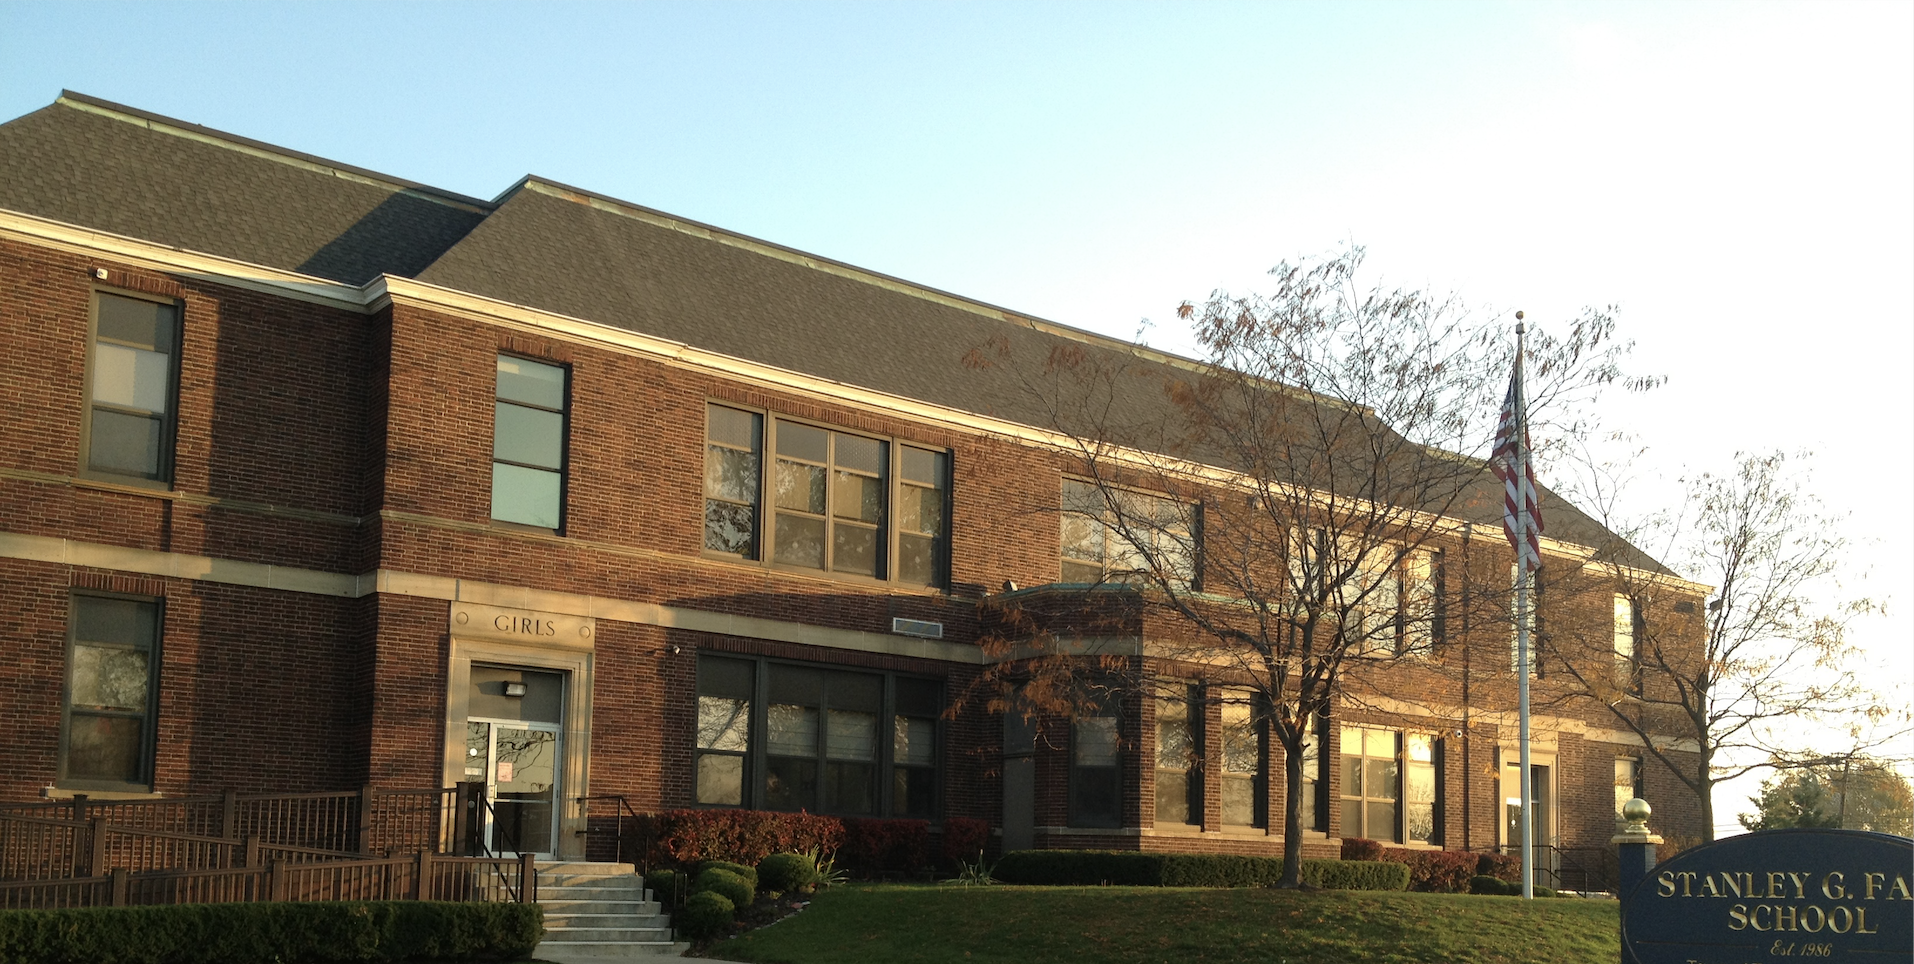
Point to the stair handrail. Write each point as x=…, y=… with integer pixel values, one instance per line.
x=624, y=807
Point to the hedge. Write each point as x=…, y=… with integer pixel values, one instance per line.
x=749, y=874
x=705, y=915
x=964, y=839
x=1130, y=868
x=682, y=838
x=876, y=846
x=726, y=884
x=786, y=872
x=308, y=933
x=1436, y=871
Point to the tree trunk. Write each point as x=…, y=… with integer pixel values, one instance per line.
x=1292, y=815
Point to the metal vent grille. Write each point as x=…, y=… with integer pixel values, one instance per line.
x=917, y=627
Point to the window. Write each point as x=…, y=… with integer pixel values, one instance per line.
x=914, y=748
x=1243, y=759
x=1179, y=793
x=1391, y=599
x=133, y=388
x=733, y=462
x=1628, y=670
x=1371, y=784
x=1419, y=787
x=1628, y=784
x=725, y=690
x=840, y=502
x=821, y=749
x=1094, y=783
x=1108, y=534
x=1315, y=779
x=528, y=443
x=107, y=740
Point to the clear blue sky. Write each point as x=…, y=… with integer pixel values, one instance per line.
x=1738, y=178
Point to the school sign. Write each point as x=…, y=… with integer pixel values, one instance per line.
x=1776, y=897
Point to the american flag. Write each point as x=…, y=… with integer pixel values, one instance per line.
x=1511, y=463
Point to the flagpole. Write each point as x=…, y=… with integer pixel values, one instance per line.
x=1522, y=626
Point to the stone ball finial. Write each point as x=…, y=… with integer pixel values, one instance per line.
x=1636, y=812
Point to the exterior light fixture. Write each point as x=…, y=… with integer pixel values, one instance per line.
x=515, y=689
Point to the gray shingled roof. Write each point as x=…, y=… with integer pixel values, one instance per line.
x=113, y=168
x=544, y=245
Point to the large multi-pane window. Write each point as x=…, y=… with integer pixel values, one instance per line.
x=1095, y=772
x=1371, y=784
x=1113, y=534
x=132, y=388
x=783, y=736
x=839, y=502
x=1627, y=631
x=528, y=443
x=1390, y=600
x=112, y=661
x=1179, y=793
x=1531, y=617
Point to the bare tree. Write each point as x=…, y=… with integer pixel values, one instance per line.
x=1276, y=509
x=1775, y=653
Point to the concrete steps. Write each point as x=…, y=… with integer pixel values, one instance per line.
x=600, y=912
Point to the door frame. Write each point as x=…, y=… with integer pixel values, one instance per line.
x=569, y=652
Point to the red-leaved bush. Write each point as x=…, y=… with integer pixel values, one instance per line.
x=1358, y=848
x=1501, y=866
x=680, y=838
x=875, y=846
x=964, y=838
x=1439, y=871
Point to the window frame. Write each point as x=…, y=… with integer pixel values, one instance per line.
x=165, y=471
x=1636, y=788
x=756, y=755
x=1364, y=798
x=149, y=742
x=1189, y=698
x=764, y=535
x=1628, y=665
x=1114, y=545
x=1078, y=817
x=564, y=442
x=1258, y=775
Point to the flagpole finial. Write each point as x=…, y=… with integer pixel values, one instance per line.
x=1519, y=327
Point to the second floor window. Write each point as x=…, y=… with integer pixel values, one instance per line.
x=1111, y=535
x=1628, y=673
x=832, y=501
x=132, y=388
x=528, y=444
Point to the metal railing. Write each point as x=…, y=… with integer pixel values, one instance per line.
x=1580, y=869
x=621, y=809
x=420, y=876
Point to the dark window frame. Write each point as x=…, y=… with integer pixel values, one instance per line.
x=564, y=442
x=164, y=473
x=1078, y=817
x=883, y=764
x=1191, y=699
x=1113, y=543
x=149, y=742
x=1258, y=777
x=764, y=535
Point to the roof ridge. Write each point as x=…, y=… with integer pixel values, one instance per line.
x=262, y=149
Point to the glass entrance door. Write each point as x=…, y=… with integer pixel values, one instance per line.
x=519, y=763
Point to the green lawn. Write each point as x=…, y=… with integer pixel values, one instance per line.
x=1133, y=925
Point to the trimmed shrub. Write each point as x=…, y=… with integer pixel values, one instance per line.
x=1090, y=867
x=786, y=872
x=682, y=838
x=964, y=839
x=750, y=874
x=705, y=915
x=400, y=930
x=1356, y=874
x=876, y=846
x=1359, y=848
x=724, y=882
x=1485, y=884
x=1500, y=866
x=667, y=886
x=1435, y=871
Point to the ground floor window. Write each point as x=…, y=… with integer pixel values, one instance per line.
x=1179, y=794
x=1245, y=760
x=1315, y=778
x=789, y=736
x=1095, y=772
x=1371, y=784
x=112, y=674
